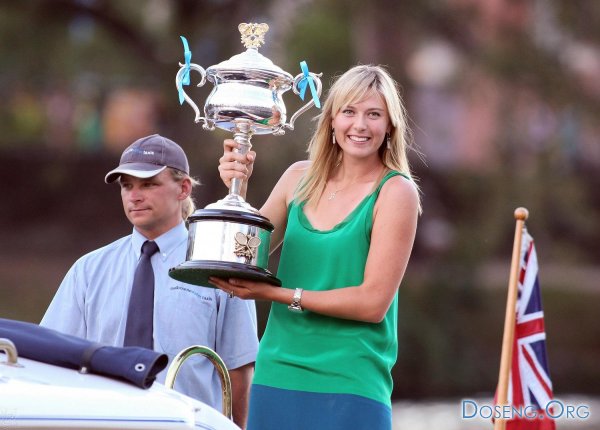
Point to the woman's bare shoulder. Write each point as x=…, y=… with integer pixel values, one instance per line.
x=296, y=170
x=291, y=178
x=300, y=166
x=400, y=189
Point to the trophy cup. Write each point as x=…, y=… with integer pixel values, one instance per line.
x=230, y=238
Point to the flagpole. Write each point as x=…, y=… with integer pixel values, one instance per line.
x=521, y=215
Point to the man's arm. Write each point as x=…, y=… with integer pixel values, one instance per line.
x=241, y=378
x=237, y=344
x=65, y=313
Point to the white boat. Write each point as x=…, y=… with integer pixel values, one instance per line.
x=36, y=395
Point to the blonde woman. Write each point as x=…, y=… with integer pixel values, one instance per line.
x=347, y=219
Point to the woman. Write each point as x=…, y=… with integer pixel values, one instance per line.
x=347, y=219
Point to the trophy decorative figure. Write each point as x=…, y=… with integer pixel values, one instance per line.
x=230, y=238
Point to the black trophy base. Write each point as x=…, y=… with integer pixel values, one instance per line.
x=198, y=272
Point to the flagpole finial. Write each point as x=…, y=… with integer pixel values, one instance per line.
x=521, y=214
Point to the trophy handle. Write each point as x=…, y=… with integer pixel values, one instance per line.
x=308, y=105
x=188, y=99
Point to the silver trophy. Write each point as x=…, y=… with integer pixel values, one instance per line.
x=230, y=238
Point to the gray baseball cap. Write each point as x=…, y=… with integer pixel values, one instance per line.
x=147, y=157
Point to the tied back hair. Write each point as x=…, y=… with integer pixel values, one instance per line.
x=188, y=206
x=354, y=86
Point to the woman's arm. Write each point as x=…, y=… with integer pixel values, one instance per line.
x=276, y=206
x=392, y=237
x=234, y=165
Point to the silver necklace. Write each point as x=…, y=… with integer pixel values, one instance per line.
x=333, y=194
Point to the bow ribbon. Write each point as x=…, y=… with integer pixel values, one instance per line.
x=308, y=80
x=185, y=79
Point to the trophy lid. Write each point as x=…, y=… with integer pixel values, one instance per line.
x=250, y=61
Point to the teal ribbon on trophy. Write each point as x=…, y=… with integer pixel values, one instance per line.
x=185, y=80
x=308, y=81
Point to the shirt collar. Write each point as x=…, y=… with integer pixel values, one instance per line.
x=167, y=242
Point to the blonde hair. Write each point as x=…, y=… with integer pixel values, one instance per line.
x=188, y=205
x=353, y=86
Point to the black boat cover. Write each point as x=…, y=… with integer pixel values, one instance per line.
x=136, y=365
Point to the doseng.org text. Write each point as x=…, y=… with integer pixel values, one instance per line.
x=554, y=409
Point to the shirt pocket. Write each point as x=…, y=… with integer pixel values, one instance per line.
x=186, y=316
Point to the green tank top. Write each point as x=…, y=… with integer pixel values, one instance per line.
x=317, y=353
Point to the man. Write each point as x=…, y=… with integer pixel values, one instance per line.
x=97, y=299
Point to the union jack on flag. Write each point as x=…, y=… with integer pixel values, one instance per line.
x=530, y=387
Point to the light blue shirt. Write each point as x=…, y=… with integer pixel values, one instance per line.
x=93, y=298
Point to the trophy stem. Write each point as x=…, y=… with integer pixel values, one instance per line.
x=242, y=135
x=233, y=200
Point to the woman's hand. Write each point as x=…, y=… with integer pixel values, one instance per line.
x=245, y=289
x=235, y=165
